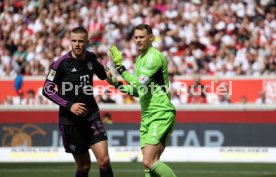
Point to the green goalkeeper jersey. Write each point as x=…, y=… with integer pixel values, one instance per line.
x=150, y=83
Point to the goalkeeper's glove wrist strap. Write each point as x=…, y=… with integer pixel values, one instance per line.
x=119, y=84
x=121, y=69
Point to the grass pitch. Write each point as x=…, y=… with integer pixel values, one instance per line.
x=136, y=170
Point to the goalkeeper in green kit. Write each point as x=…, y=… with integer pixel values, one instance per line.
x=150, y=83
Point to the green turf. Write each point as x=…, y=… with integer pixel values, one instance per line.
x=136, y=170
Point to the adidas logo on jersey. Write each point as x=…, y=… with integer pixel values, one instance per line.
x=74, y=70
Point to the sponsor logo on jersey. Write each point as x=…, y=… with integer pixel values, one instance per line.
x=84, y=80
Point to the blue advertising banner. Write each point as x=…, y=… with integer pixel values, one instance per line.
x=188, y=134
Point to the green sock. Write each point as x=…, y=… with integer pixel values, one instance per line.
x=162, y=170
x=150, y=174
x=147, y=173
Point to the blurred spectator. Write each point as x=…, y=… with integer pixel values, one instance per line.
x=30, y=98
x=192, y=34
x=107, y=119
x=129, y=99
x=42, y=99
x=178, y=90
x=8, y=100
x=98, y=99
x=20, y=55
x=217, y=38
x=263, y=99
x=106, y=97
x=221, y=94
x=196, y=92
x=103, y=95
x=243, y=100
x=175, y=98
x=224, y=99
x=17, y=100
x=18, y=82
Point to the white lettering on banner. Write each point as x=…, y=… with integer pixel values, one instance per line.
x=213, y=138
x=133, y=137
x=56, y=139
x=210, y=138
x=112, y=134
x=126, y=154
x=175, y=135
x=269, y=86
x=244, y=149
x=191, y=139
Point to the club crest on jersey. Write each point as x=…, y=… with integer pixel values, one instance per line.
x=89, y=65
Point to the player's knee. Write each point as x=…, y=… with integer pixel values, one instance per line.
x=84, y=168
x=147, y=163
x=104, y=162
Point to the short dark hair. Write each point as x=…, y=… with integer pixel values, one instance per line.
x=144, y=26
x=79, y=29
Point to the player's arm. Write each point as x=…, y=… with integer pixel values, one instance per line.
x=147, y=69
x=98, y=68
x=127, y=89
x=50, y=90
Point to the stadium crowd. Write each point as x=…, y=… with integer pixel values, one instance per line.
x=216, y=38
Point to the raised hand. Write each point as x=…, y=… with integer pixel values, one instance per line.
x=116, y=56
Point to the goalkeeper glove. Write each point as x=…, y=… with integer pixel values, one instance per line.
x=116, y=56
x=111, y=77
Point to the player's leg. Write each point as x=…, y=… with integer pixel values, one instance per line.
x=154, y=167
x=98, y=144
x=151, y=155
x=74, y=142
x=83, y=163
x=154, y=137
x=101, y=153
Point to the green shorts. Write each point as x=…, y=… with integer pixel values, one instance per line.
x=157, y=128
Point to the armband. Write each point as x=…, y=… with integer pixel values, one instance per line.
x=121, y=69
